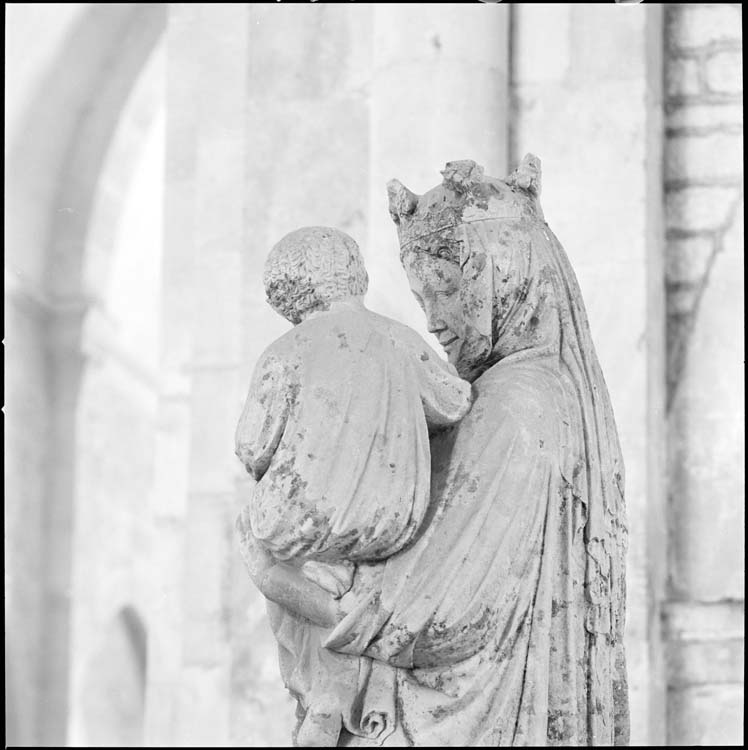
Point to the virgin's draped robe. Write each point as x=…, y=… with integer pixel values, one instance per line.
x=506, y=616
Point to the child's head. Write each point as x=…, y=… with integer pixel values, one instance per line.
x=310, y=268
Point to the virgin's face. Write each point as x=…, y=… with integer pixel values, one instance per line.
x=435, y=284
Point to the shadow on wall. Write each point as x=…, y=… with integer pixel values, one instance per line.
x=113, y=691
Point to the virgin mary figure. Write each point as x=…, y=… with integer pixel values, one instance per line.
x=504, y=619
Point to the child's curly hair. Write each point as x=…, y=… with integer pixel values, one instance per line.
x=310, y=268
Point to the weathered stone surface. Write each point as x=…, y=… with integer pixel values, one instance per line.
x=496, y=307
x=334, y=433
x=477, y=603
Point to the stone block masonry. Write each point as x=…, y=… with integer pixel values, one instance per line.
x=705, y=308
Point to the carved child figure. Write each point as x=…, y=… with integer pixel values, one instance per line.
x=335, y=433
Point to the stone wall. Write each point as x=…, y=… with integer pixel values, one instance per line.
x=705, y=375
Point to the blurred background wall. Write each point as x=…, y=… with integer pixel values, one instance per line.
x=155, y=152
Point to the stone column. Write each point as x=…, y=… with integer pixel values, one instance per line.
x=587, y=101
x=27, y=424
x=439, y=92
x=190, y=670
x=706, y=374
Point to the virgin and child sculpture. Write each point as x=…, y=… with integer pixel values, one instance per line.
x=441, y=544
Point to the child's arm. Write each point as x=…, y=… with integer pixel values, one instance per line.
x=446, y=397
x=264, y=416
x=285, y=584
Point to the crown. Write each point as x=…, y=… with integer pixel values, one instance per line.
x=465, y=196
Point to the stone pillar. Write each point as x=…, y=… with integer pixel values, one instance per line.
x=190, y=669
x=439, y=92
x=706, y=407
x=27, y=422
x=587, y=101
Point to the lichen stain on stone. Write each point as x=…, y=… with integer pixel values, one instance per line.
x=523, y=289
x=286, y=473
x=479, y=262
x=343, y=341
x=292, y=392
x=328, y=398
x=560, y=726
x=267, y=423
x=557, y=606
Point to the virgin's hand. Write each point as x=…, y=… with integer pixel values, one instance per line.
x=346, y=604
x=335, y=578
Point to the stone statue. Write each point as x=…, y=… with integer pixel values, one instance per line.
x=503, y=617
x=335, y=432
